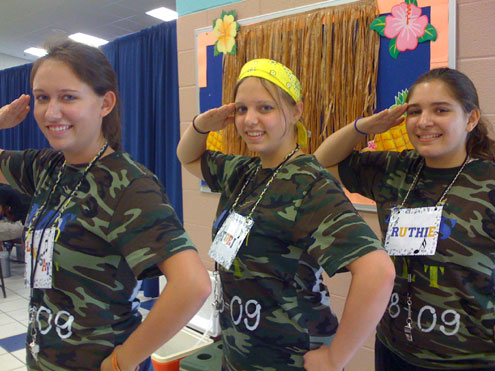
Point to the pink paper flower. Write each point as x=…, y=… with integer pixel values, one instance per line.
x=407, y=24
x=371, y=145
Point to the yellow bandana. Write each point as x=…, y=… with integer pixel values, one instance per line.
x=282, y=77
x=274, y=72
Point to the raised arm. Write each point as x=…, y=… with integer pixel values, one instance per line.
x=12, y=115
x=340, y=144
x=193, y=142
x=371, y=285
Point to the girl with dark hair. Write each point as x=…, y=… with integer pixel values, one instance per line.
x=98, y=223
x=437, y=215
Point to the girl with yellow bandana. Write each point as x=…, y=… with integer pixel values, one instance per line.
x=281, y=221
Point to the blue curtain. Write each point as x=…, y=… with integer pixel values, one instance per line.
x=14, y=82
x=146, y=67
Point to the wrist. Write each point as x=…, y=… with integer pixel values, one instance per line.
x=115, y=362
x=356, y=127
x=334, y=365
x=118, y=364
x=196, y=129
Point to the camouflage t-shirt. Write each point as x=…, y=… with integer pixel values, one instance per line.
x=453, y=291
x=276, y=306
x=116, y=228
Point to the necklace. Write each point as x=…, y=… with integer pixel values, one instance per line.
x=236, y=228
x=408, y=328
x=33, y=345
x=274, y=174
x=58, y=213
x=442, y=200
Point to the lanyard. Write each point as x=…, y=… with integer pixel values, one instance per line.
x=408, y=327
x=221, y=218
x=274, y=174
x=441, y=201
x=223, y=250
x=58, y=212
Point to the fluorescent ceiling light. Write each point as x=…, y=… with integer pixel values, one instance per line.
x=88, y=39
x=163, y=13
x=36, y=51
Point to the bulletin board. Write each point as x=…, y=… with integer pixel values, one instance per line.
x=394, y=73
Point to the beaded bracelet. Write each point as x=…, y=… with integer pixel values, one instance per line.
x=115, y=364
x=355, y=127
x=195, y=128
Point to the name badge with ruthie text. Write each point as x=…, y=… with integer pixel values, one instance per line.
x=413, y=231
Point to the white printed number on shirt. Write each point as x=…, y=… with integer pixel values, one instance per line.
x=252, y=310
x=449, y=317
x=63, y=322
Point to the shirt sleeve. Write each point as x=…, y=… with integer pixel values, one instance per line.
x=145, y=227
x=223, y=172
x=330, y=228
x=25, y=170
x=363, y=172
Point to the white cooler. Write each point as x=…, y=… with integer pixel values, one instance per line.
x=190, y=338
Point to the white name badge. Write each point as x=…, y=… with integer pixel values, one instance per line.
x=229, y=239
x=413, y=231
x=44, y=263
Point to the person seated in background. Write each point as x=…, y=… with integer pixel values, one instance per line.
x=13, y=210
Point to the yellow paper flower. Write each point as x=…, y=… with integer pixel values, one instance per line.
x=225, y=29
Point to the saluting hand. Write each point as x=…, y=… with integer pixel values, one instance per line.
x=215, y=119
x=383, y=120
x=14, y=113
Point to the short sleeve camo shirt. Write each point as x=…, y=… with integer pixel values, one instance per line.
x=276, y=306
x=453, y=291
x=117, y=227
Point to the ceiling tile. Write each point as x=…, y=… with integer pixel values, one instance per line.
x=26, y=23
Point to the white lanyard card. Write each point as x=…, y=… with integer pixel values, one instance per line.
x=43, y=262
x=413, y=231
x=229, y=239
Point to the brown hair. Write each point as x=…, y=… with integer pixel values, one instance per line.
x=93, y=68
x=478, y=144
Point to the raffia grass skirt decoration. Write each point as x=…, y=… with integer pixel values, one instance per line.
x=333, y=53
